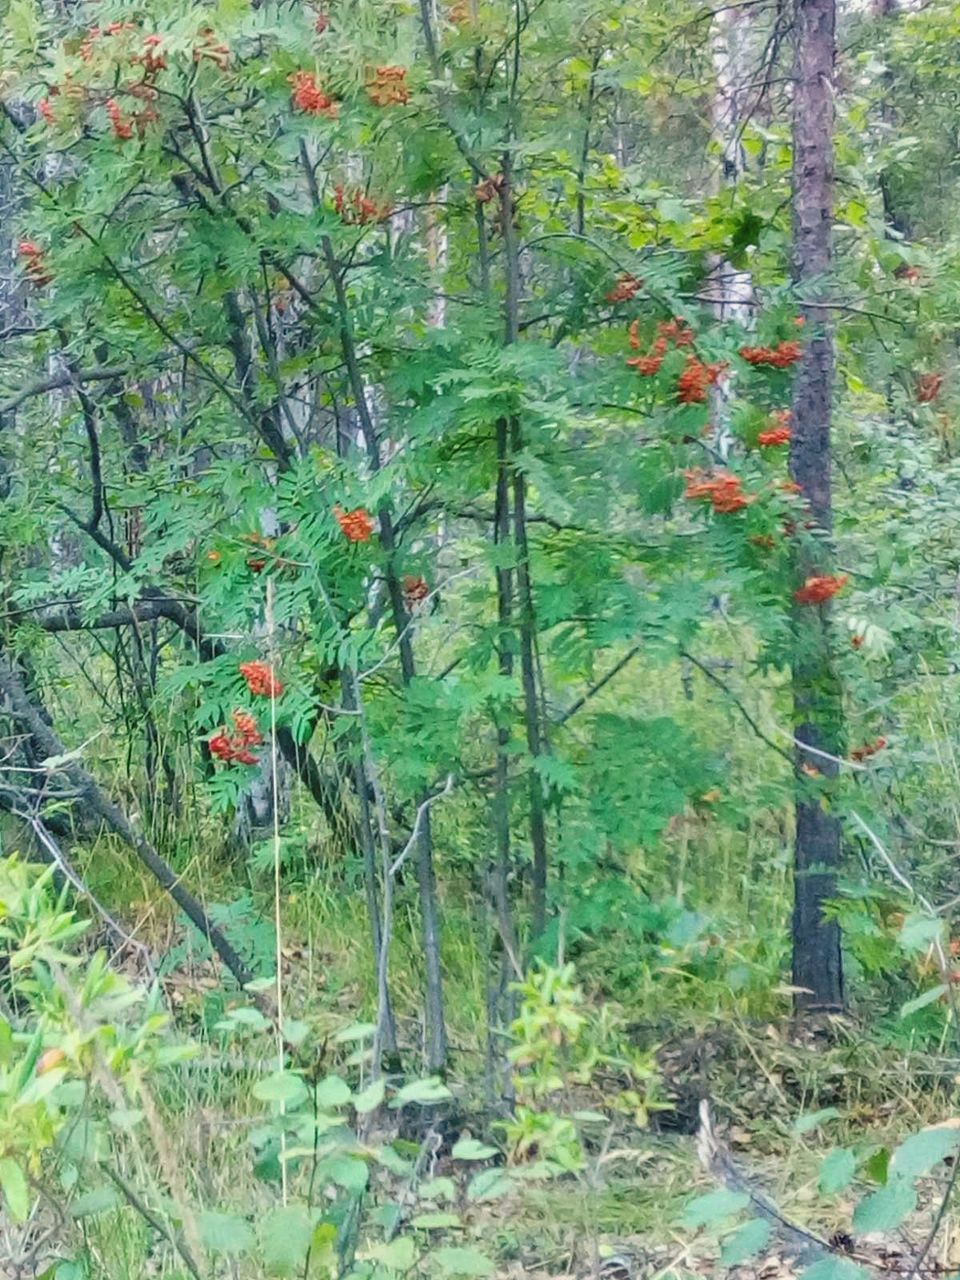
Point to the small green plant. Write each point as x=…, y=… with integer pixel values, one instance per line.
x=575, y=1071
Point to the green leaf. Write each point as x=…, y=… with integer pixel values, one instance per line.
x=921, y=1151
x=489, y=1184
x=919, y=932
x=398, y=1255
x=877, y=1166
x=346, y=1171
x=224, y=1232
x=462, y=1262
x=282, y=1087
x=922, y=1001
x=834, y=1269
x=885, y=1209
x=370, y=1098
x=422, y=1091
x=704, y=1211
x=285, y=1235
x=433, y=1221
x=471, y=1149
x=837, y=1171
x=332, y=1092
x=745, y=1243
x=16, y=1192
x=91, y=1203
x=813, y=1120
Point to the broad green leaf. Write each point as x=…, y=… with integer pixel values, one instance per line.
x=433, y=1221
x=489, y=1184
x=224, y=1232
x=921, y=1151
x=333, y=1092
x=422, y=1091
x=98, y=1200
x=919, y=932
x=397, y=1255
x=814, y=1119
x=285, y=1235
x=746, y=1242
x=837, y=1171
x=282, y=1087
x=370, y=1098
x=461, y=1262
x=714, y=1207
x=834, y=1269
x=16, y=1191
x=884, y=1210
x=921, y=1002
x=471, y=1149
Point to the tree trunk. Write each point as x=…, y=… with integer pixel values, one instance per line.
x=817, y=965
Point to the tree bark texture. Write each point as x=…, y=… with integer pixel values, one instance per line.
x=817, y=963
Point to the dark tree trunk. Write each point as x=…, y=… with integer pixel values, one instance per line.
x=817, y=965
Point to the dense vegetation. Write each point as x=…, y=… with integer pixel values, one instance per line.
x=480, y=601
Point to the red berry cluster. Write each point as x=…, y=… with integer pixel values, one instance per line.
x=388, y=87
x=868, y=749
x=676, y=331
x=625, y=290
x=817, y=590
x=782, y=356
x=356, y=208
x=321, y=23
x=721, y=489
x=33, y=262
x=235, y=747
x=357, y=526
x=310, y=98
x=415, y=591
x=261, y=681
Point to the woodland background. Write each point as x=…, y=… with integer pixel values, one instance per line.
x=479, y=609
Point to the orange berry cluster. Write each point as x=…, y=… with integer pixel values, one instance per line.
x=261, y=681
x=321, y=23
x=388, y=88
x=33, y=262
x=356, y=208
x=782, y=356
x=625, y=290
x=696, y=379
x=415, y=591
x=928, y=387
x=779, y=432
x=356, y=526
x=122, y=129
x=235, y=747
x=310, y=98
x=676, y=331
x=721, y=489
x=152, y=59
x=869, y=749
x=817, y=590
x=93, y=35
